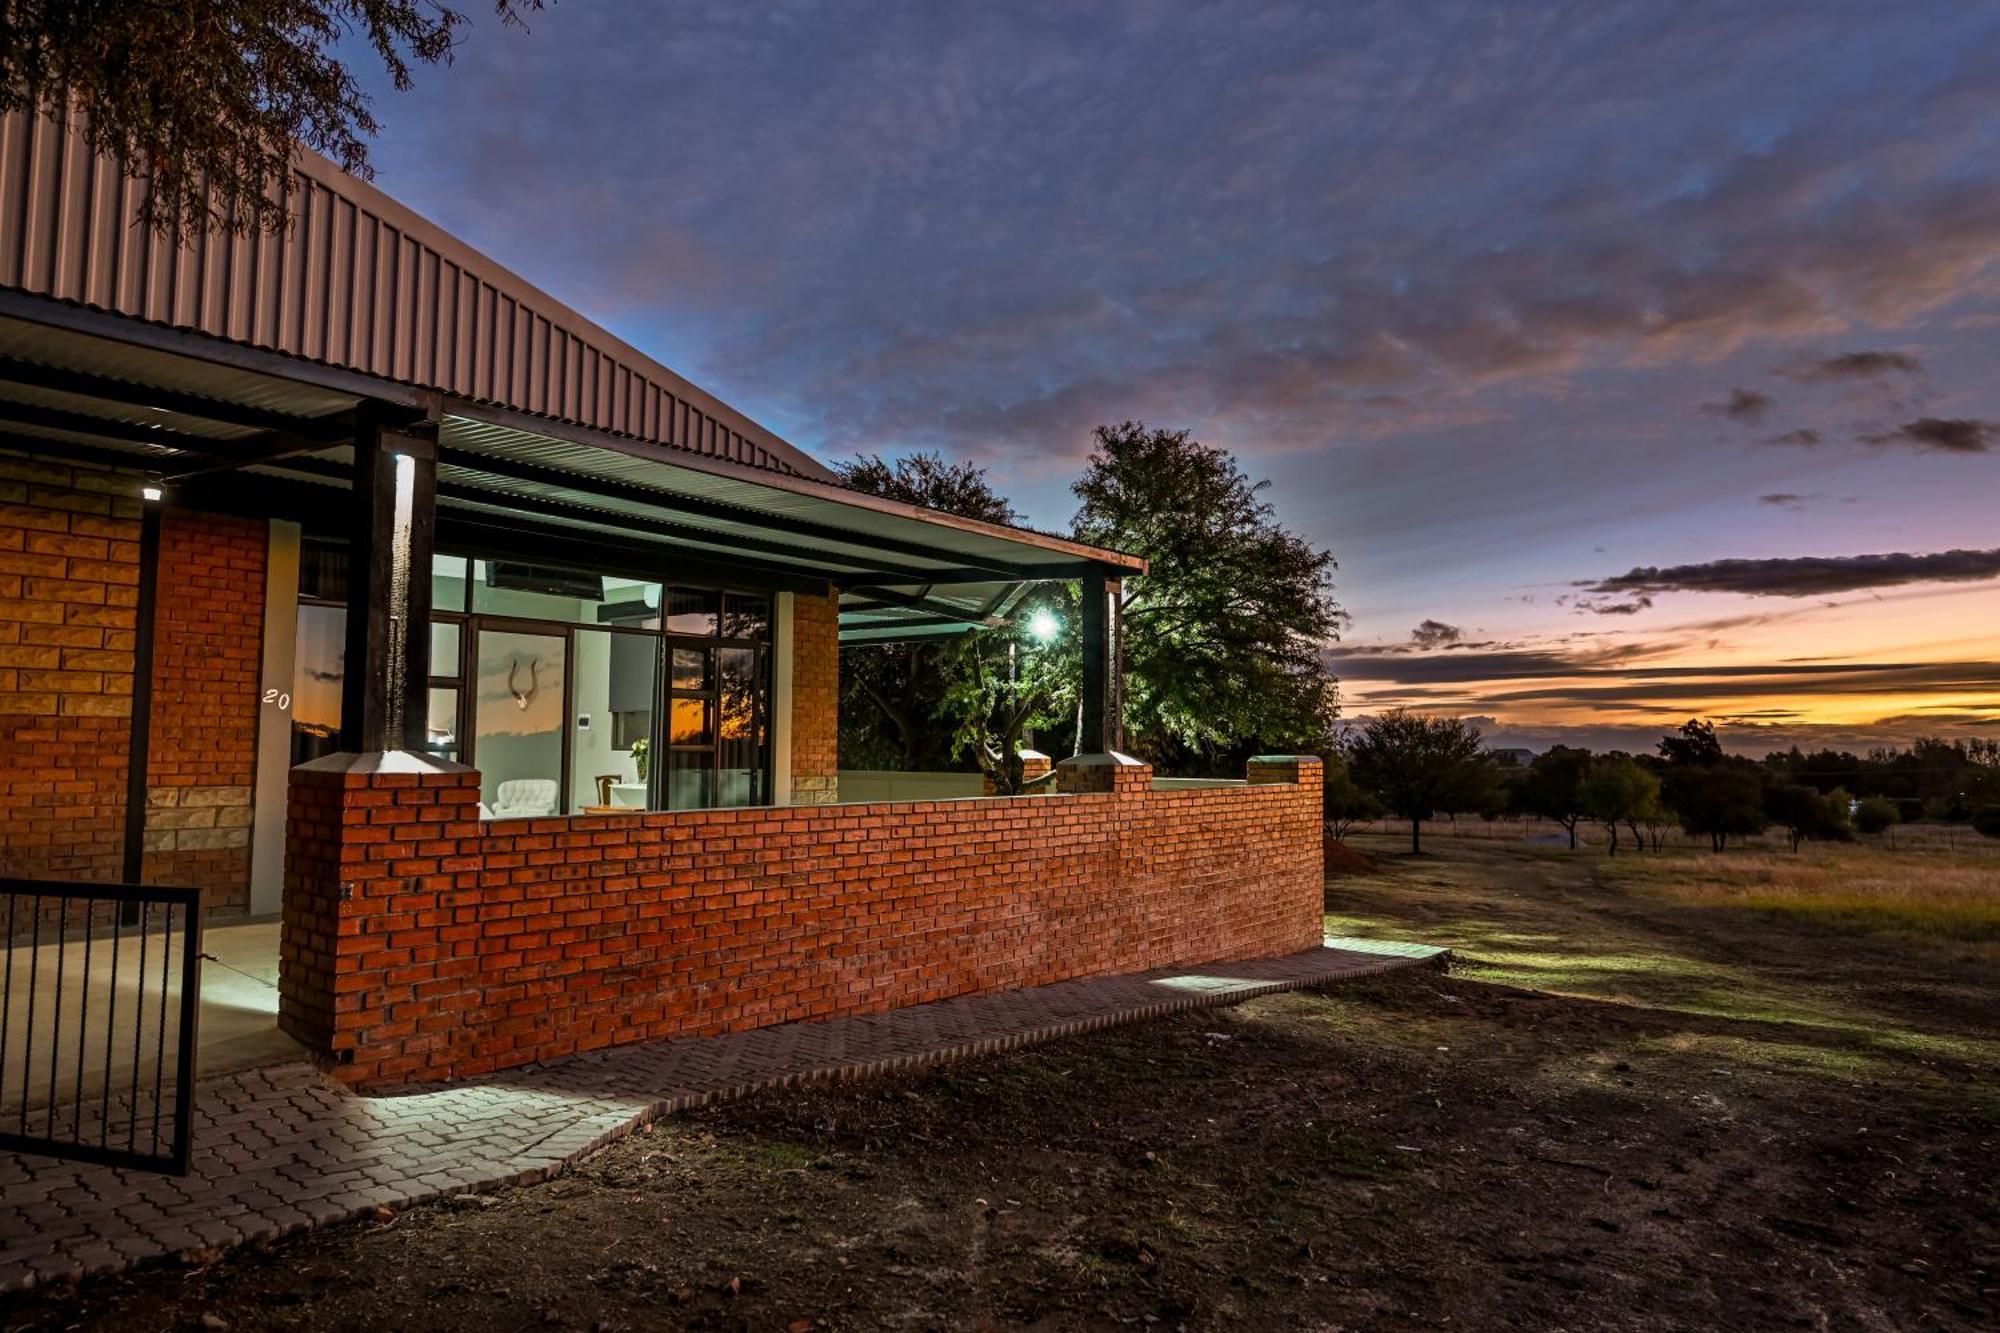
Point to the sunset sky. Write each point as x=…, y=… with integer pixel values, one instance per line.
x=1634, y=360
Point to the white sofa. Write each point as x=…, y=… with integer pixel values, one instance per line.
x=522, y=798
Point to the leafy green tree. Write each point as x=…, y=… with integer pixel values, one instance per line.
x=893, y=695
x=1004, y=681
x=1417, y=765
x=1653, y=819
x=1877, y=815
x=207, y=97
x=1719, y=801
x=1344, y=801
x=1224, y=634
x=1617, y=791
x=1804, y=812
x=1554, y=788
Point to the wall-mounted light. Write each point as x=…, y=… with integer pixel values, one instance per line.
x=1044, y=626
x=151, y=493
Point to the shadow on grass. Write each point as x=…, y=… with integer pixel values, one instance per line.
x=1543, y=921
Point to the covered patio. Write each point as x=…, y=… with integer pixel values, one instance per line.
x=360, y=584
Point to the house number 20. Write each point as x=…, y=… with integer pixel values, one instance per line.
x=279, y=697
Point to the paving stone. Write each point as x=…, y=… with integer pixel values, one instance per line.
x=281, y=1149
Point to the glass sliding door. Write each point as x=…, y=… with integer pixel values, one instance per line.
x=617, y=683
x=718, y=705
x=519, y=723
x=569, y=690
x=691, y=729
x=739, y=732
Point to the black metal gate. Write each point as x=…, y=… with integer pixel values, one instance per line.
x=102, y=988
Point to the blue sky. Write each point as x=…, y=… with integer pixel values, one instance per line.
x=1509, y=301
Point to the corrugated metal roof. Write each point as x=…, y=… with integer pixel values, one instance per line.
x=357, y=281
x=63, y=349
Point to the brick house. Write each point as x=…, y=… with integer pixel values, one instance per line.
x=349, y=577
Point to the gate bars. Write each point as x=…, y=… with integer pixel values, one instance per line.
x=88, y=982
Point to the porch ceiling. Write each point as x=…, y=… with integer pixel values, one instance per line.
x=903, y=572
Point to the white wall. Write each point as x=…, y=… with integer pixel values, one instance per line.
x=593, y=754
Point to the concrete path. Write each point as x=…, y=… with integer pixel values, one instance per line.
x=239, y=1012
x=280, y=1149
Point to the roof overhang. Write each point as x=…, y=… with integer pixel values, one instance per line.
x=201, y=413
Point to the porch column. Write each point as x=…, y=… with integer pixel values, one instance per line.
x=1103, y=730
x=392, y=529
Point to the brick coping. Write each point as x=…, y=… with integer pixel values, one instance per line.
x=282, y=1150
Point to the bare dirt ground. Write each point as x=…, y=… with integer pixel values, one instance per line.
x=1623, y=1111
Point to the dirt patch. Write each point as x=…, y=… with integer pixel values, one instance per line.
x=1342, y=859
x=1696, y=1132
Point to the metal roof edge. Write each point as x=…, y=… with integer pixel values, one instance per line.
x=503, y=279
x=826, y=490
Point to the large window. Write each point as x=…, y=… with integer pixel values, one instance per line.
x=571, y=692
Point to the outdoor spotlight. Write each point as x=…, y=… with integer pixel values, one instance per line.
x=1044, y=626
x=151, y=493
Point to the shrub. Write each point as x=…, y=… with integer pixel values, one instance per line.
x=1876, y=815
x=1987, y=821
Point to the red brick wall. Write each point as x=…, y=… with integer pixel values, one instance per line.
x=207, y=664
x=69, y=575
x=69, y=578
x=815, y=699
x=431, y=946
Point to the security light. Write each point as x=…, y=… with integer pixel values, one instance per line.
x=1044, y=626
x=150, y=493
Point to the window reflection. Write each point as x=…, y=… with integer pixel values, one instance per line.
x=692, y=611
x=317, y=676
x=689, y=722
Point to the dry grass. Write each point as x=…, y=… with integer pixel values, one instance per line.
x=1938, y=894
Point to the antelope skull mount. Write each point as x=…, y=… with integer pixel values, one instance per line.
x=522, y=698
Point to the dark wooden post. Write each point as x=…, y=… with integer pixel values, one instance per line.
x=1103, y=728
x=392, y=526
x=140, y=741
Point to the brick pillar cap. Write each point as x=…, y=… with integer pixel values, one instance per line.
x=1030, y=754
x=382, y=761
x=1285, y=759
x=1110, y=759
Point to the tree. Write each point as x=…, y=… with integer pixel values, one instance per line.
x=1003, y=681
x=1555, y=785
x=1224, y=634
x=1418, y=765
x=1344, y=802
x=1653, y=817
x=1876, y=815
x=1693, y=746
x=1617, y=791
x=207, y=98
x=1803, y=812
x=1719, y=802
x=892, y=695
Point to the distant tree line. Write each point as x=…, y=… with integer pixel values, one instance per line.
x=1422, y=768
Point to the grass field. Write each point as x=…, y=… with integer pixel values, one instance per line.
x=1932, y=894
x=1644, y=1099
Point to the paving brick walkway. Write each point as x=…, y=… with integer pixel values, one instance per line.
x=281, y=1149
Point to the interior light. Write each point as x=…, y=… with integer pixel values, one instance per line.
x=1044, y=626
